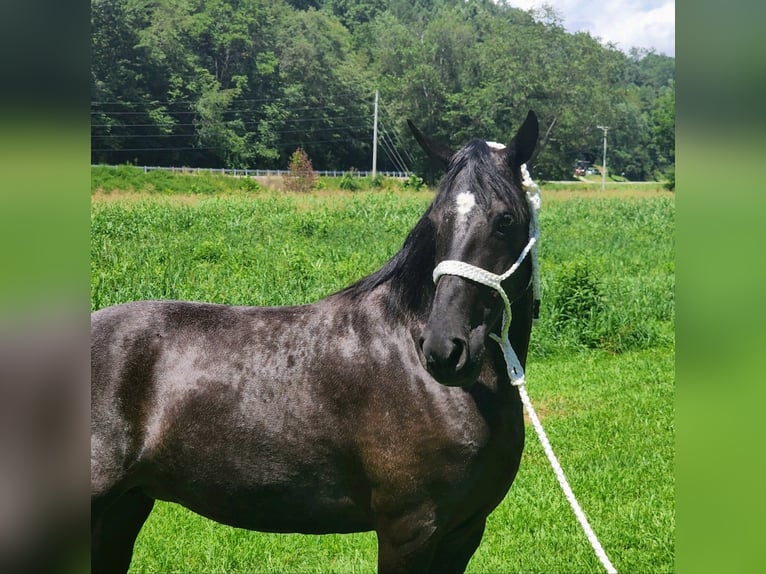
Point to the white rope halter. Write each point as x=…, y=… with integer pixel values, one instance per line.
x=515, y=369
x=479, y=275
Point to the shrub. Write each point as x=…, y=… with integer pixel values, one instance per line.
x=378, y=181
x=598, y=314
x=249, y=184
x=349, y=181
x=670, y=178
x=414, y=183
x=301, y=177
x=579, y=301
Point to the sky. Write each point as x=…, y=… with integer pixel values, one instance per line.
x=626, y=23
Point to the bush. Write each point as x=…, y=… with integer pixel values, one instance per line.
x=301, y=177
x=414, y=183
x=349, y=181
x=579, y=303
x=249, y=184
x=592, y=312
x=670, y=178
x=378, y=181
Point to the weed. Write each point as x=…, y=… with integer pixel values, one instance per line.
x=378, y=181
x=349, y=182
x=414, y=183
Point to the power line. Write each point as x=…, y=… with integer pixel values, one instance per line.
x=259, y=110
x=399, y=157
x=236, y=121
x=398, y=138
x=357, y=128
x=349, y=95
x=388, y=149
x=192, y=148
x=391, y=153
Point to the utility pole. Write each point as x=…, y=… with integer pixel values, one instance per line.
x=603, y=169
x=375, y=139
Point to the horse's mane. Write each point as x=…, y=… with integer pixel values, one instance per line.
x=410, y=270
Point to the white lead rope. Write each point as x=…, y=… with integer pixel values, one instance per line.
x=511, y=359
x=515, y=369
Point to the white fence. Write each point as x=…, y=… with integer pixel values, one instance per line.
x=261, y=172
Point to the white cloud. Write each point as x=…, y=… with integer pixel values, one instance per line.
x=626, y=23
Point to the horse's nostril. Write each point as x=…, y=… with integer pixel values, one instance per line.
x=458, y=357
x=445, y=356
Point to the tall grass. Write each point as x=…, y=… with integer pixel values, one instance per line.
x=600, y=372
x=608, y=267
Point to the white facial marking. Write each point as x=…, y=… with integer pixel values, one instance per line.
x=464, y=202
x=495, y=145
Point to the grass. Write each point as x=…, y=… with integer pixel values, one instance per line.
x=601, y=371
x=106, y=180
x=618, y=188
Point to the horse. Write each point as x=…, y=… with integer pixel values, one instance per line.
x=382, y=407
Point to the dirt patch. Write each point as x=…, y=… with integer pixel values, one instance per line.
x=545, y=410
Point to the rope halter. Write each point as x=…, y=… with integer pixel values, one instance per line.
x=484, y=277
x=515, y=370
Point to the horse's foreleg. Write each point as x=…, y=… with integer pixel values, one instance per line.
x=114, y=529
x=406, y=541
x=455, y=550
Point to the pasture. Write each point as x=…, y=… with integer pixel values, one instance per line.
x=600, y=372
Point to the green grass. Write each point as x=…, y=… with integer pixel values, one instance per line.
x=128, y=178
x=106, y=179
x=601, y=370
x=593, y=183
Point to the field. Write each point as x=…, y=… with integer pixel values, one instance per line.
x=601, y=369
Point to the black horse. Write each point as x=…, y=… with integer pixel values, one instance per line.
x=383, y=407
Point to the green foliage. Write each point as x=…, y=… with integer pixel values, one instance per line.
x=218, y=83
x=378, y=182
x=414, y=182
x=605, y=395
x=578, y=301
x=349, y=182
x=608, y=275
x=249, y=184
x=122, y=178
x=662, y=125
x=670, y=178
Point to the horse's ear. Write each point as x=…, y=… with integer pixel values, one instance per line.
x=523, y=143
x=433, y=149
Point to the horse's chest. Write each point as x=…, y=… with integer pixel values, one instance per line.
x=492, y=466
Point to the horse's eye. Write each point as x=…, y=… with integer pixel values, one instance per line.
x=504, y=225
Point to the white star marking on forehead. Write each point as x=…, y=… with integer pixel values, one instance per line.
x=464, y=202
x=495, y=145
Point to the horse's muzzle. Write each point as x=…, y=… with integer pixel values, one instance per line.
x=449, y=360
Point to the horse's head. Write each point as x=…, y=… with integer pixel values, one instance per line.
x=480, y=217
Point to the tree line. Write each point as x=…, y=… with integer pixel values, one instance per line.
x=244, y=83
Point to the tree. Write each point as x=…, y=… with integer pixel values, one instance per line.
x=662, y=129
x=301, y=176
x=242, y=83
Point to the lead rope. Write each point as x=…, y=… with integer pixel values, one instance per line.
x=515, y=370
